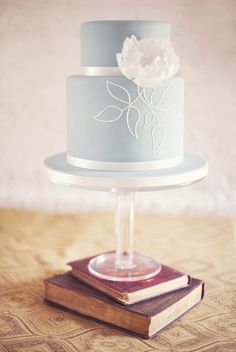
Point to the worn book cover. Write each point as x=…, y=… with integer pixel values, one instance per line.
x=169, y=279
x=145, y=318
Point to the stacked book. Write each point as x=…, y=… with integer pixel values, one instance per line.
x=143, y=307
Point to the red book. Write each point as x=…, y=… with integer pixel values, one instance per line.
x=144, y=318
x=169, y=279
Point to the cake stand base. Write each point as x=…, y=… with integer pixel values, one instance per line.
x=106, y=267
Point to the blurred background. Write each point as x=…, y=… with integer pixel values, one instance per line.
x=40, y=47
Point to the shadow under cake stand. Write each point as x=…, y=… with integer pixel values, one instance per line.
x=124, y=264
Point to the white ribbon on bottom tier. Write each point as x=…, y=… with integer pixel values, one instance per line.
x=124, y=166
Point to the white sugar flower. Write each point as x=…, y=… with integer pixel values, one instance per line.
x=148, y=62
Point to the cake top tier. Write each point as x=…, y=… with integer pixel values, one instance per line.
x=102, y=40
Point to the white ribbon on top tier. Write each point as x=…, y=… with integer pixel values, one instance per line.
x=124, y=166
x=100, y=71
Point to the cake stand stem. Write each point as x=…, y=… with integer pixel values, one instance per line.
x=124, y=264
x=124, y=228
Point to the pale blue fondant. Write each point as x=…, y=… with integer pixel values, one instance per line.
x=102, y=40
x=92, y=102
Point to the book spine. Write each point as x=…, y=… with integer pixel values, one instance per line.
x=110, y=314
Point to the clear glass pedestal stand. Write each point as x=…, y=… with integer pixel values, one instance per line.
x=124, y=264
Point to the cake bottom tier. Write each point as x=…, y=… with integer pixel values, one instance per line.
x=112, y=124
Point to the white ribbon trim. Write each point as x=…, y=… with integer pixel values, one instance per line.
x=124, y=166
x=100, y=71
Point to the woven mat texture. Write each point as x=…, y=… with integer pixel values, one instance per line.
x=35, y=245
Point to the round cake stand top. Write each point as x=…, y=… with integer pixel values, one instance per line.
x=193, y=169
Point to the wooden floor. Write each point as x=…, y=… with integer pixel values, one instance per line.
x=36, y=245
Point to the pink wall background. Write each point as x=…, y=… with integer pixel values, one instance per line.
x=39, y=48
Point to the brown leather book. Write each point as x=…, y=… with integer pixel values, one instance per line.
x=169, y=279
x=145, y=318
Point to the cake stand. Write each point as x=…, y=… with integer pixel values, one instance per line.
x=124, y=264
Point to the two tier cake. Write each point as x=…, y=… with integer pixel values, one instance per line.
x=125, y=110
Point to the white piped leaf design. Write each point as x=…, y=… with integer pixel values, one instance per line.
x=149, y=118
x=165, y=97
x=157, y=102
x=158, y=134
x=172, y=111
x=109, y=114
x=132, y=120
x=118, y=92
x=148, y=94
